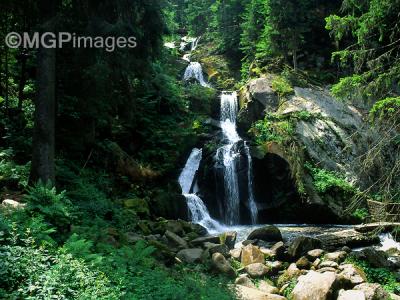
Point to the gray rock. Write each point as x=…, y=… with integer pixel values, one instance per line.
x=266, y=233
x=223, y=249
x=236, y=253
x=201, y=240
x=301, y=245
x=176, y=240
x=9, y=203
x=221, y=265
x=190, y=256
x=377, y=258
x=279, y=250
x=274, y=266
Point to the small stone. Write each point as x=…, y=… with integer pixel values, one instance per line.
x=274, y=266
x=316, y=263
x=303, y=263
x=314, y=254
x=326, y=269
x=223, y=249
x=257, y=270
x=12, y=204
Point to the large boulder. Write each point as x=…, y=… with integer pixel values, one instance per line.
x=373, y=291
x=190, y=255
x=221, y=265
x=267, y=233
x=265, y=287
x=206, y=239
x=315, y=286
x=377, y=258
x=251, y=254
x=301, y=245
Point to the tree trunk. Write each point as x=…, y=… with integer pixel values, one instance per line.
x=295, y=60
x=22, y=80
x=43, y=167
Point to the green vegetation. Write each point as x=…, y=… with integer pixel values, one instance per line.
x=377, y=275
x=386, y=109
x=282, y=87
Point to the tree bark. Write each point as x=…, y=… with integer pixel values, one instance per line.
x=43, y=167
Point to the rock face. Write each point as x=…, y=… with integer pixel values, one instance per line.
x=314, y=286
x=222, y=265
x=301, y=245
x=349, y=237
x=251, y=254
x=332, y=134
x=266, y=233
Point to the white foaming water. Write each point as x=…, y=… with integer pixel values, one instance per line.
x=388, y=242
x=227, y=155
x=194, y=70
x=189, y=171
x=252, y=202
x=198, y=211
x=195, y=42
x=200, y=215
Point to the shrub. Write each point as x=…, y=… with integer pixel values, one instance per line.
x=282, y=87
x=386, y=109
x=325, y=180
x=12, y=174
x=43, y=199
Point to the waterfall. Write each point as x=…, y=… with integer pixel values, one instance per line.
x=194, y=70
x=252, y=202
x=227, y=156
x=198, y=211
x=195, y=42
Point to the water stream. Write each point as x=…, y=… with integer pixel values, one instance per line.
x=228, y=156
x=198, y=211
